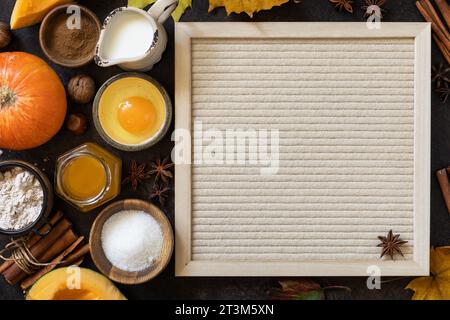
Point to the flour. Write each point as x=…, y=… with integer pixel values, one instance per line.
x=21, y=199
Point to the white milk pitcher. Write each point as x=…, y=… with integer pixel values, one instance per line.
x=134, y=39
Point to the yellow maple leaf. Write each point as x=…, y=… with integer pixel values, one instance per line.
x=437, y=286
x=247, y=6
x=176, y=15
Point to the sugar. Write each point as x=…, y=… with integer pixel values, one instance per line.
x=132, y=240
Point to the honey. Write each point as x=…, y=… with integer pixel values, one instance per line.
x=88, y=176
x=84, y=177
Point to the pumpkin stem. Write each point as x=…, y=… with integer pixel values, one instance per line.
x=7, y=97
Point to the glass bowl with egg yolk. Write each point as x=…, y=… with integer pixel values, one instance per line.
x=132, y=112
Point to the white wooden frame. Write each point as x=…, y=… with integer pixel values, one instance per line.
x=422, y=35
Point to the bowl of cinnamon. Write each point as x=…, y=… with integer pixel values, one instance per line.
x=69, y=34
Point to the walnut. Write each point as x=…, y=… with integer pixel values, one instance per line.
x=5, y=35
x=81, y=89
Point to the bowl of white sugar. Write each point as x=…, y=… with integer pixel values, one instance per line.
x=131, y=241
x=26, y=198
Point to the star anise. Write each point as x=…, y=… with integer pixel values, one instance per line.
x=391, y=245
x=137, y=175
x=444, y=92
x=343, y=4
x=161, y=169
x=369, y=3
x=440, y=74
x=160, y=193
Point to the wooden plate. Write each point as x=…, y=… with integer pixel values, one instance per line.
x=105, y=266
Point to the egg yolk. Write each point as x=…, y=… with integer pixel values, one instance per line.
x=136, y=114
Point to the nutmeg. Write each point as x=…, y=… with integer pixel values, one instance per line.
x=5, y=35
x=77, y=123
x=81, y=89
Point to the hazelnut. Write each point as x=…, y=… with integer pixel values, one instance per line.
x=77, y=123
x=81, y=89
x=5, y=35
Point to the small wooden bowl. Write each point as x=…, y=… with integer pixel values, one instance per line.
x=105, y=266
x=44, y=30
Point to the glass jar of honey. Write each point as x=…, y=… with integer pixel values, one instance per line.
x=88, y=176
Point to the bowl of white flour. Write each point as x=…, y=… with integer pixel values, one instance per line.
x=26, y=198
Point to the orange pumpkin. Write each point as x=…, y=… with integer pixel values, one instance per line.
x=32, y=101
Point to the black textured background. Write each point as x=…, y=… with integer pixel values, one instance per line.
x=167, y=286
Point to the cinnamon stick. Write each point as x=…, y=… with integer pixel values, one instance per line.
x=45, y=243
x=430, y=15
x=445, y=186
x=32, y=280
x=76, y=255
x=445, y=52
x=34, y=238
x=59, y=246
x=14, y=274
x=444, y=8
x=427, y=9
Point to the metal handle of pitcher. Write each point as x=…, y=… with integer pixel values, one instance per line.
x=162, y=9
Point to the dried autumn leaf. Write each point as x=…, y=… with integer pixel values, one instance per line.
x=247, y=6
x=303, y=289
x=176, y=15
x=437, y=286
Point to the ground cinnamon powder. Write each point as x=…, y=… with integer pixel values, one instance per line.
x=72, y=44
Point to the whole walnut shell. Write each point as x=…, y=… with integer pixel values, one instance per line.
x=5, y=35
x=81, y=89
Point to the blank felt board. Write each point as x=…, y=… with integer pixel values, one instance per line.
x=307, y=141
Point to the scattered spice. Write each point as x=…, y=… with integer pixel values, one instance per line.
x=81, y=89
x=161, y=169
x=77, y=123
x=5, y=35
x=343, y=4
x=72, y=44
x=160, y=193
x=391, y=245
x=138, y=174
x=369, y=3
x=444, y=92
x=440, y=74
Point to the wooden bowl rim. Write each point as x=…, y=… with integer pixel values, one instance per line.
x=43, y=28
x=106, y=267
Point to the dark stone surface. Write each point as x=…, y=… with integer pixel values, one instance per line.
x=167, y=286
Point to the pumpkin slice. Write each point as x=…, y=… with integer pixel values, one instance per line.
x=74, y=284
x=29, y=12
